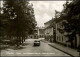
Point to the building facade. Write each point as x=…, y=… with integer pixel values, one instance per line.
x=41, y=32
x=49, y=31
x=54, y=32
x=61, y=35
x=38, y=33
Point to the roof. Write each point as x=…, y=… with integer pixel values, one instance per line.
x=60, y=18
x=48, y=21
x=51, y=23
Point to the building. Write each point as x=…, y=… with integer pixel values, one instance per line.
x=38, y=33
x=54, y=32
x=41, y=32
x=61, y=37
x=35, y=34
x=54, y=29
x=49, y=31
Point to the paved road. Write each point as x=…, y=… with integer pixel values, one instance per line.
x=29, y=50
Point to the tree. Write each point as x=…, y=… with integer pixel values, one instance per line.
x=1, y=23
x=72, y=17
x=19, y=16
x=2, y=32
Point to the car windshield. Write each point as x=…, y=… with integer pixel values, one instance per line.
x=36, y=40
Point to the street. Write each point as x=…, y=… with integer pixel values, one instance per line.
x=29, y=50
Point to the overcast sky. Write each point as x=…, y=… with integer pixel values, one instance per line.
x=45, y=10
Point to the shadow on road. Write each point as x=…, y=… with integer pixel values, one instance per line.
x=18, y=48
x=36, y=46
x=25, y=44
x=22, y=46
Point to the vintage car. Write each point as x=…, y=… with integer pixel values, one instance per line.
x=37, y=43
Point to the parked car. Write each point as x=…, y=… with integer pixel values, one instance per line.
x=37, y=43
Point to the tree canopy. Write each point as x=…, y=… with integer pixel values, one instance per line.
x=19, y=16
x=17, y=19
x=71, y=13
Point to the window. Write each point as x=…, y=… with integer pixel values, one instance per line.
x=57, y=37
x=62, y=38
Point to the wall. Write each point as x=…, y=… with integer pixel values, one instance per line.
x=60, y=38
x=78, y=39
x=49, y=31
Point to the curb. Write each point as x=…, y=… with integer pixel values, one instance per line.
x=61, y=50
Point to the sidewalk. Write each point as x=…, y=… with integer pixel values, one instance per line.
x=67, y=50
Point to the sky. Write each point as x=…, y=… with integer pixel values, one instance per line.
x=45, y=10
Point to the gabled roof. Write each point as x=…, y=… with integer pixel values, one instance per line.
x=48, y=21
x=61, y=18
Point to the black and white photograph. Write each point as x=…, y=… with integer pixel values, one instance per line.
x=40, y=28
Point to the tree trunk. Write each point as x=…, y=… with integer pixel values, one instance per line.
x=17, y=41
x=75, y=42
x=72, y=44
x=22, y=39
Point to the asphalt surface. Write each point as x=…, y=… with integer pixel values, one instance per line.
x=28, y=49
